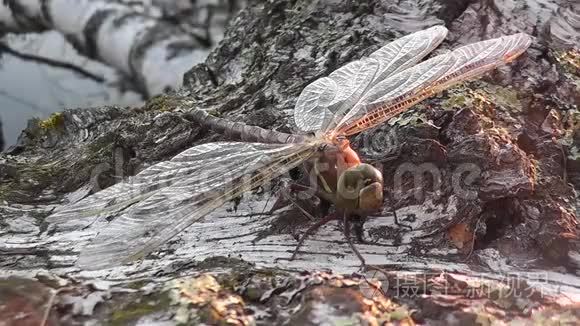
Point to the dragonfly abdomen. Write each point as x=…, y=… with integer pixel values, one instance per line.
x=242, y=131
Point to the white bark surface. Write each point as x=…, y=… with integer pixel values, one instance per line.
x=152, y=53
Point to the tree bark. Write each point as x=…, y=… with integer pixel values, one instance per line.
x=494, y=226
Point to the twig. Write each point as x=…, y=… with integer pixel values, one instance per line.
x=31, y=105
x=295, y=203
x=565, y=158
x=49, y=304
x=473, y=240
x=51, y=62
x=346, y=230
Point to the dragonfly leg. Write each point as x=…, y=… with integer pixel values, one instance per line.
x=358, y=228
x=280, y=200
x=394, y=211
x=324, y=208
x=346, y=228
x=284, y=198
x=311, y=230
x=293, y=186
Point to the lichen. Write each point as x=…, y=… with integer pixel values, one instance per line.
x=159, y=103
x=459, y=96
x=574, y=153
x=135, y=310
x=534, y=171
x=136, y=285
x=502, y=96
x=401, y=313
x=482, y=97
x=571, y=133
x=569, y=60
x=33, y=177
x=552, y=317
x=455, y=101
x=163, y=103
x=101, y=147
x=202, y=298
x=411, y=118
x=54, y=121
x=223, y=262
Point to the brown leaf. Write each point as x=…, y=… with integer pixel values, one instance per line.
x=23, y=302
x=461, y=236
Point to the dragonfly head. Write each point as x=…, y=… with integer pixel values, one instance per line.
x=360, y=188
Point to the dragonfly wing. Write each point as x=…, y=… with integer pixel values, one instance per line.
x=319, y=100
x=405, y=52
x=391, y=59
x=232, y=169
x=136, y=188
x=353, y=80
x=323, y=103
x=312, y=108
x=404, y=89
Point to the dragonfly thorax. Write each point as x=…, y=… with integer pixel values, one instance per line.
x=349, y=156
x=351, y=185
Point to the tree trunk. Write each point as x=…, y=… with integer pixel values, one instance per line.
x=147, y=47
x=486, y=174
x=1, y=137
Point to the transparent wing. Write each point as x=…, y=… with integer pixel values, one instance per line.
x=231, y=169
x=139, y=187
x=404, y=89
x=323, y=103
x=319, y=100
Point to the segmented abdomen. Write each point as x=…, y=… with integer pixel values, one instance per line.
x=242, y=131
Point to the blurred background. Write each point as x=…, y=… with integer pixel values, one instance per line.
x=33, y=88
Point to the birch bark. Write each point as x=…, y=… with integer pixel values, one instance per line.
x=131, y=38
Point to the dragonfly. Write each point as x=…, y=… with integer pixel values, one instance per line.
x=164, y=199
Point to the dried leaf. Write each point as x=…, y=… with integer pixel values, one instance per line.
x=461, y=236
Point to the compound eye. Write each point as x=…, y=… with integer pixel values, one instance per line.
x=371, y=197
